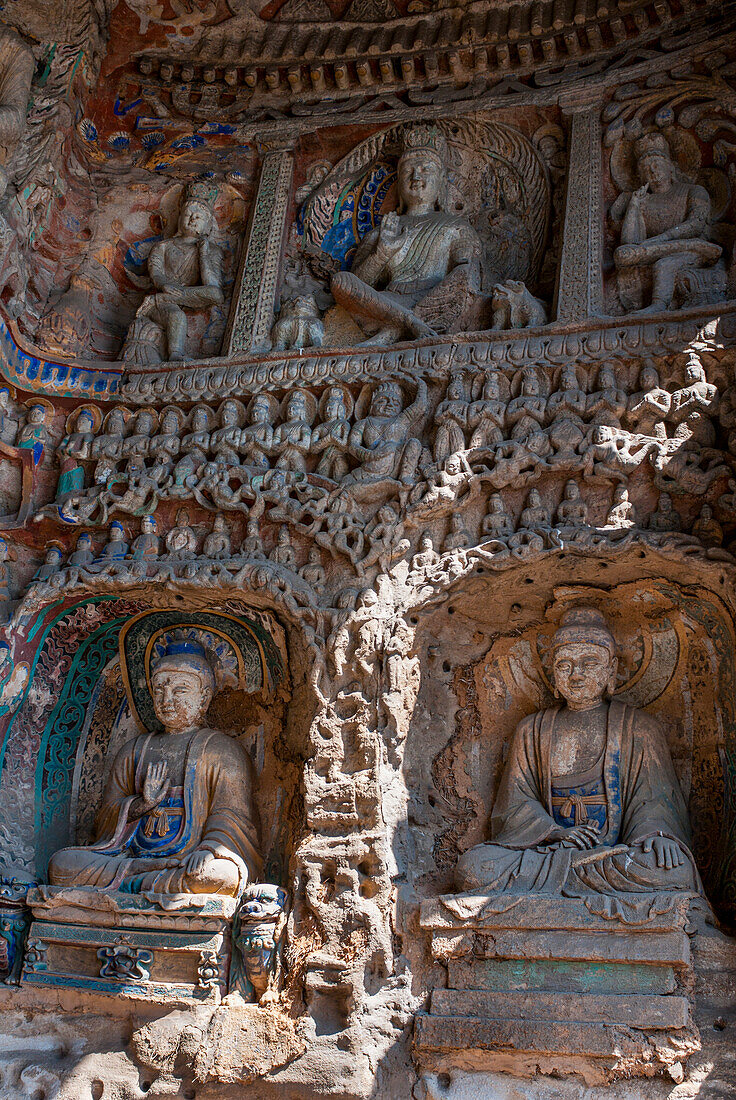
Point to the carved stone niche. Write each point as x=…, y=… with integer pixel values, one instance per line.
x=144, y=883
x=550, y=962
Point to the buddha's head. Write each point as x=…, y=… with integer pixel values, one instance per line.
x=649, y=378
x=422, y=177
x=182, y=686
x=584, y=662
x=654, y=161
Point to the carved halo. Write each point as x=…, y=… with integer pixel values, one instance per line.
x=153, y=413
x=310, y=403
x=238, y=405
x=346, y=396
x=174, y=410
x=541, y=376
x=46, y=405
x=242, y=653
x=199, y=406
x=93, y=412
x=117, y=410
x=273, y=405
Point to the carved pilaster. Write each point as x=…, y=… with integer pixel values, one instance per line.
x=254, y=298
x=579, y=291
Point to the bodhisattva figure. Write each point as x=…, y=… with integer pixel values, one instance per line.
x=589, y=802
x=330, y=437
x=293, y=437
x=664, y=229
x=186, y=271
x=256, y=439
x=420, y=263
x=607, y=404
x=649, y=408
x=487, y=417
x=165, y=445
x=451, y=419
x=224, y=442
x=526, y=414
x=177, y=815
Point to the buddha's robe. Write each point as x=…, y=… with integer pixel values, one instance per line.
x=212, y=811
x=633, y=795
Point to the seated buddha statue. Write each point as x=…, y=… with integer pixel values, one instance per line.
x=421, y=262
x=589, y=802
x=177, y=815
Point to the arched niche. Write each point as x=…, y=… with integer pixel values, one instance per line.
x=483, y=649
x=89, y=693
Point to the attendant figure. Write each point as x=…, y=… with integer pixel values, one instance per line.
x=83, y=555
x=34, y=435
x=147, y=545
x=181, y=542
x=707, y=528
x=217, y=545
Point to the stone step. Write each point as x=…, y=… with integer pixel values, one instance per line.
x=450, y=1034
x=671, y=948
x=556, y=975
x=633, y=1010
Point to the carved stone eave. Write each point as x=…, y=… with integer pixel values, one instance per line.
x=665, y=333
x=243, y=65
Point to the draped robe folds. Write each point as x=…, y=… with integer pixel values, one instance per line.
x=643, y=799
x=218, y=817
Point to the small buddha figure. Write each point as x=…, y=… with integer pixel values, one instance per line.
x=194, y=445
x=664, y=518
x=164, y=446
x=256, y=439
x=418, y=256
x=34, y=435
x=608, y=404
x=707, y=528
x=252, y=545
x=572, y=510
x=621, y=513
x=451, y=419
x=589, y=802
x=649, y=408
x=186, y=271
x=487, y=417
x=147, y=545
x=137, y=443
x=83, y=555
x=217, y=545
x=50, y=566
x=526, y=414
x=225, y=440
x=74, y=449
x=177, y=815
x=292, y=438
x=330, y=437
x=283, y=552
x=426, y=557
x=566, y=409
x=457, y=538
x=181, y=542
x=107, y=447
x=664, y=229
x=116, y=548
x=497, y=523
x=313, y=572
x=534, y=516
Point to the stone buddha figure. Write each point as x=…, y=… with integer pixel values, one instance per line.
x=664, y=229
x=177, y=815
x=419, y=263
x=589, y=802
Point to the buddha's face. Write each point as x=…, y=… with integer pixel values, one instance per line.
x=420, y=179
x=649, y=378
x=180, y=698
x=148, y=525
x=491, y=390
x=170, y=425
x=656, y=171
x=37, y=414
x=297, y=407
x=571, y=491
x=534, y=499
x=530, y=386
x=583, y=673
x=456, y=389
x=195, y=220
x=261, y=412
x=228, y=415
x=200, y=420
x=335, y=406
x=84, y=542
x=143, y=423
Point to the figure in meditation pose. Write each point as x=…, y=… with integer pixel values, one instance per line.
x=186, y=272
x=420, y=264
x=589, y=802
x=177, y=814
x=664, y=229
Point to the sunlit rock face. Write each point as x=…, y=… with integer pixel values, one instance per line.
x=367, y=575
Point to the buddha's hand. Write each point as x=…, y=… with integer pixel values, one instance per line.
x=197, y=861
x=640, y=194
x=579, y=836
x=155, y=785
x=390, y=236
x=668, y=853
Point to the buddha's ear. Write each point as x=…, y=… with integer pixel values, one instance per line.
x=613, y=676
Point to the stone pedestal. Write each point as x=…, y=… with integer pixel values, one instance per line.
x=127, y=946
x=547, y=981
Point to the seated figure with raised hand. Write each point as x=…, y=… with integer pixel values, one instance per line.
x=177, y=814
x=421, y=264
x=664, y=229
x=589, y=802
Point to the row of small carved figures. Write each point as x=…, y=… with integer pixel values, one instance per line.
x=460, y=424
x=538, y=525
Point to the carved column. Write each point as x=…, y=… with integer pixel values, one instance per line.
x=580, y=284
x=254, y=296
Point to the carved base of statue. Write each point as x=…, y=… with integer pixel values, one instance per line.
x=172, y=948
